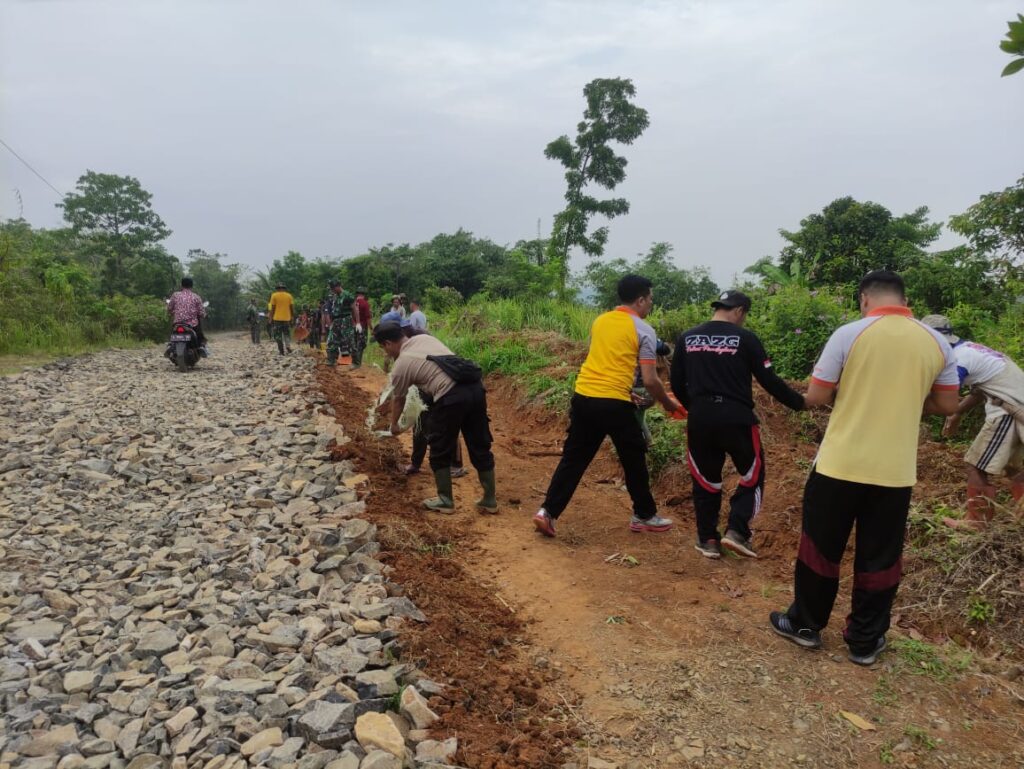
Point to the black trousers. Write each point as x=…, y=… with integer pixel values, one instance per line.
x=419, y=444
x=591, y=420
x=462, y=410
x=831, y=507
x=707, y=447
x=254, y=331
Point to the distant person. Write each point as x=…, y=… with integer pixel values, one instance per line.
x=711, y=375
x=252, y=317
x=315, y=320
x=416, y=317
x=602, y=406
x=365, y=319
x=282, y=313
x=397, y=306
x=186, y=307
x=391, y=316
x=344, y=323
x=455, y=407
x=998, y=382
x=882, y=371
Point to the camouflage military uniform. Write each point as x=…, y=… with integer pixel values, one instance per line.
x=341, y=337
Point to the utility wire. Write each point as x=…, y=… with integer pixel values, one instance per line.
x=30, y=168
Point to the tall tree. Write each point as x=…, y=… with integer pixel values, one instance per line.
x=994, y=226
x=849, y=238
x=218, y=284
x=674, y=287
x=610, y=116
x=1014, y=45
x=115, y=214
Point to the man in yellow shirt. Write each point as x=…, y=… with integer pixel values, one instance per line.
x=603, y=406
x=282, y=311
x=881, y=371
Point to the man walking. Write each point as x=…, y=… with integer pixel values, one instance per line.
x=282, y=312
x=363, y=318
x=344, y=324
x=881, y=371
x=186, y=307
x=252, y=317
x=602, y=406
x=416, y=317
x=711, y=376
x=993, y=379
x=455, y=407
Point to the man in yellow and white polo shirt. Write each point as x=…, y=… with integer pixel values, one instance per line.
x=882, y=371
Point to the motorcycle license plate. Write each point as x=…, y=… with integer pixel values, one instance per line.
x=180, y=337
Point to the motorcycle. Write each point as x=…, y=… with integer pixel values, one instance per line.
x=183, y=348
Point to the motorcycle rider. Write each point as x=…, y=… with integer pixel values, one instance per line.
x=186, y=307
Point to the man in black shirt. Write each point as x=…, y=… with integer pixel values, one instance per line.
x=711, y=377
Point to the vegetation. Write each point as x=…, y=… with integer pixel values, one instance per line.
x=610, y=116
x=1014, y=45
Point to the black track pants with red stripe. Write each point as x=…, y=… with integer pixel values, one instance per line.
x=831, y=507
x=707, y=447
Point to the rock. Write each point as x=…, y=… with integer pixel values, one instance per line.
x=325, y=721
x=414, y=706
x=247, y=686
x=57, y=741
x=375, y=683
x=268, y=738
x=128, y=738
x=44, y=631
x=180, y=720
x=593, y=762
x=147, y=761
x=380, y=759
x=80, y=681
x=347, y=760
x=286, y=753
x=437, y=751
x=156, y=643
x=376, y=730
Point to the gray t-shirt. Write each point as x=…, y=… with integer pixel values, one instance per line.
x=412, y=368
x=418, y=320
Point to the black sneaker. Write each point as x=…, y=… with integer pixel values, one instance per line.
x=738, y=544
x=871, y=657
x=801, y=636
x=709, y=548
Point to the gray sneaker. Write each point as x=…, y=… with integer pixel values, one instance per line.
x=871, y=657
x=654, y=523
x=738, y=544
x=709, y=548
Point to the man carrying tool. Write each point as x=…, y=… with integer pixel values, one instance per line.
x=711, y=375
x=998, y=382
x=344, y=324
x=452, y=389
x=603, y=407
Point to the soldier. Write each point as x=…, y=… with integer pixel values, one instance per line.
x=252, y=316
x=344, y=324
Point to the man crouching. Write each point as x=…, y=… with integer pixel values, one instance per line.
x=457, y=402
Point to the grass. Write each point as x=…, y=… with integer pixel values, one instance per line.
x=925, y=659
x=23, y=355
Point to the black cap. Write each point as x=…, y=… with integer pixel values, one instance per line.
x=334, y=283
x=729, y=300
x=279, y=286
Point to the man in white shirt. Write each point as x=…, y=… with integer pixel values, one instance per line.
x=416, y=317
x=998, y=382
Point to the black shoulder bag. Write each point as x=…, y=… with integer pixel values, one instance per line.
x=460, y=370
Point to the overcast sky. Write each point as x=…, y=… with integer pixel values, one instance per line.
x=329, y=127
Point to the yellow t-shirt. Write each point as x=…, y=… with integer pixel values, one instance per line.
x=619, y=340
x=884, y=366
x=281, y=306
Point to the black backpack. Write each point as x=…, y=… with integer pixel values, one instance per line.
x=460, y=370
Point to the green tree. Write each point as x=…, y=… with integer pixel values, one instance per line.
x=849, y=238
x=115, y=215
x=994, y=226
x=610, y=116
x=957, y=276
x=674, y=287
x=219, y=285
x=1014, y=45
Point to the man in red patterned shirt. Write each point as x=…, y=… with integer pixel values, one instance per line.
x=186, y=307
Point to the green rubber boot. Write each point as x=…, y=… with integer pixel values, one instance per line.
x=443, y=502
x=332, y=358
x=489, y=502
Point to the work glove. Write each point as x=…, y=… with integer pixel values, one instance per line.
x=359, y=328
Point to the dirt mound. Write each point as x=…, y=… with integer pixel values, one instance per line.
x=497, y=703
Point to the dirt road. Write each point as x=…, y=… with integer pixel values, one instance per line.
x=669, y=654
